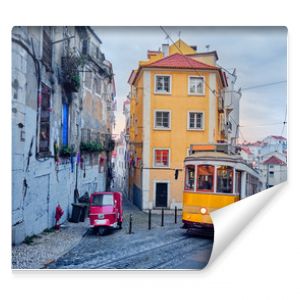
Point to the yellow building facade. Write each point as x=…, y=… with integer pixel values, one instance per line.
x=176, y=100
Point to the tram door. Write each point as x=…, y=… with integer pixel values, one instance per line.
x=161, y=195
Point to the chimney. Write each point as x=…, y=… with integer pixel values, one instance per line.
x=165, y=49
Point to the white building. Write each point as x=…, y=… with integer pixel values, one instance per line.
x=273, y=143
x=274, y=171
x=61, y=123
x=232, y=109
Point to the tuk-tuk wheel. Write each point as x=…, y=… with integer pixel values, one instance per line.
x=120, y=225
x=101, y=230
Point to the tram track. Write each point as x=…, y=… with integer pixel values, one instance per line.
x=162, y=256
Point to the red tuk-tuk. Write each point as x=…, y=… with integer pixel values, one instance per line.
x=105, y=211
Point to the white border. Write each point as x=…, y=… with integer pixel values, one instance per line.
x=258, y=264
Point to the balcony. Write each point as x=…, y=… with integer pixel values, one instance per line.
x=70, y=74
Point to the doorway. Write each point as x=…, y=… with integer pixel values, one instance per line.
x=161, y=194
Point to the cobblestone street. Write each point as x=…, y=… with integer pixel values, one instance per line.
x=167, y=247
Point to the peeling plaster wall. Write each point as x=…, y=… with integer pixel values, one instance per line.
x=40, y=186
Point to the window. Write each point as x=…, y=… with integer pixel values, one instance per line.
x=195, y=121
x=161, y=158
x=163, y=84
x=271, y=174
x=103, y=200
x=225, y=179
x=189, y=177
x=271, y=166
x=205, y=180
x=196, y=86
x=44, y=136
x=65, y=124
x=47, y=47
x=162, y=120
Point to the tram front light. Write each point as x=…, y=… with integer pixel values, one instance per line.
x=203, y=210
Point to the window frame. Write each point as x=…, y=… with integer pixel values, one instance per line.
x=169, y=121
x=203, y=121
x=155, y=84
x=232, y=192
x=42, y=122
x=186, y=177
x=154, y=158
x=189, y=86
x=212, y=190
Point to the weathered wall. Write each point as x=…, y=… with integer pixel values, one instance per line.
x=39, y=184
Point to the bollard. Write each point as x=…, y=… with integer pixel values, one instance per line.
x=162, y=216
x=130, y=224
x=149, y=219
x=175, y=214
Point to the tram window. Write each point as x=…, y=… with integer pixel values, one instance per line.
x=189, y=177
x=205, y=182
x=225, y=179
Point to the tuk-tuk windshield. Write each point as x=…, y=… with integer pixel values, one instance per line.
x=103, y=200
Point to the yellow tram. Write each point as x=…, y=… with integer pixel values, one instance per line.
x=215, y=176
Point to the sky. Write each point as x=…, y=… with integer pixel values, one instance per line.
x=259, y=55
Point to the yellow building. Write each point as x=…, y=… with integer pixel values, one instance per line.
x=176, y=100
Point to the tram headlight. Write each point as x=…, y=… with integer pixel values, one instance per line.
x=203, y=210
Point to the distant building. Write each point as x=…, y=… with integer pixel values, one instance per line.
x=268, y=156
x=120, y=165
x=274, y=171
x=62, y=94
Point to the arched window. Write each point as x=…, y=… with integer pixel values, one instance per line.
x=205, y=180
x=225, y=180
x=189, y=177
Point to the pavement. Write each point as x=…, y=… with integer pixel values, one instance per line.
x=75, y=246
x=48, y=246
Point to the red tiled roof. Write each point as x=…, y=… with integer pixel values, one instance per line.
x=247, y=150
x=273, y=160
x=278, y=137
x=180, y=61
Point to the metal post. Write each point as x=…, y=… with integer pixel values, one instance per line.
x=162, y=217
x=130, y=224
x=175, y=214
x=149, y=219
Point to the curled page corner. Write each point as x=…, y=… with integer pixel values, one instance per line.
x=230, y=221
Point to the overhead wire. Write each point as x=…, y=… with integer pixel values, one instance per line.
x=238, y=126
x=198, y=73
x=263, y=85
